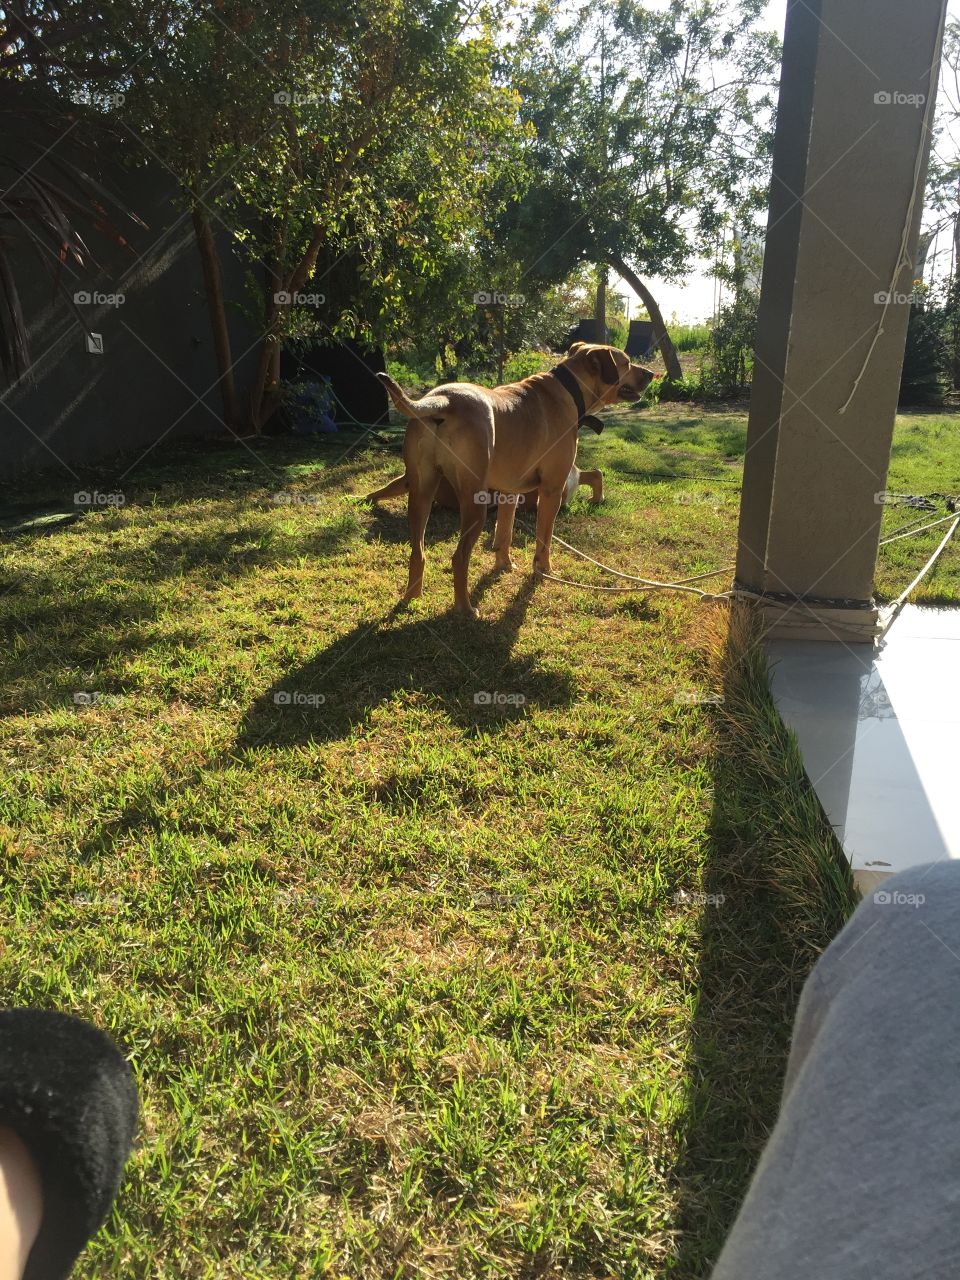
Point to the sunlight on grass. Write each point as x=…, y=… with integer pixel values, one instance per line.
x=414, y=983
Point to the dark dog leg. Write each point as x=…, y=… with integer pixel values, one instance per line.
x=395, y=489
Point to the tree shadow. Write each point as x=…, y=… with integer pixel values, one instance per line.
x=85, y=629
x=678, y=451
x=464, y=667
x=34, y=520
x=900, y=448
x=775, y=889
x=355, y=465
x=926, y=410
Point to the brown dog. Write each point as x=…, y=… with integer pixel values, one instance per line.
x=512, y=439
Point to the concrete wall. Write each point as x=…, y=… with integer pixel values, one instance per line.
x=156, y=378
x=859, y=79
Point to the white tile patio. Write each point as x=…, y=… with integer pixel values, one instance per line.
x=879, y=730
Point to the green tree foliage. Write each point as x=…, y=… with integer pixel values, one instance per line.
x=652, y=123
x=729, y=364
x=925, y=357
x=52, y=89
x=341, y=140
x=385, y=166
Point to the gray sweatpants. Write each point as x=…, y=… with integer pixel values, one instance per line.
x=861, y=1175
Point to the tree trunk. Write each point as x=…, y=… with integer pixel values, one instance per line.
x=265, y=395
x=264, y=392
x=600, y=307
x=661, y=337
x=923, y=248
x=213, y=283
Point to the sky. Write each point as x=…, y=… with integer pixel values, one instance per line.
x=693, y=300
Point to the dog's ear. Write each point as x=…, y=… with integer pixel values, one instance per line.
x=575, y=347
x=605, y=366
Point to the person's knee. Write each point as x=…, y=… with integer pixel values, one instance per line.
x=932, y=889
x=899, y=922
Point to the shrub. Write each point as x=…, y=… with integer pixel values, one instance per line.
x=690, y=387
x=729, y=364
x=411, y=377
x=925, y=356
x=690, y=337
x=618, y=335
x=523, y=363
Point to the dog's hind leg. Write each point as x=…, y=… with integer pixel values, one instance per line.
x=422, y=492
x=548, y=504
x=395, y=489
x=595, y=480
x=473, y=515
x=502, y=539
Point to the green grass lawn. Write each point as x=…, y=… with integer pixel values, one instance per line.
x=414, y=985
x=925, y=459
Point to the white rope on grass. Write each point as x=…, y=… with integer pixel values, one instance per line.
x=643, y=584
x=908, y=533
x=632, y=577
x=650, y=586
x=891, y=611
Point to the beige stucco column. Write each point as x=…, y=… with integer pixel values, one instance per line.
x=846, y=199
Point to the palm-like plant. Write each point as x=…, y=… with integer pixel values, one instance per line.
x=50, y=198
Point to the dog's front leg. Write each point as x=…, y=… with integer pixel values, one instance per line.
x=548, y=504
x=503, y=538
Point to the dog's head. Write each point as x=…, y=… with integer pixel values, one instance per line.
x=607, y=373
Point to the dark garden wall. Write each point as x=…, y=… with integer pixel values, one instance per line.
x=154, y=377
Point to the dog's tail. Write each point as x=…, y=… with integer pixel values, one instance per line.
x=429, y=407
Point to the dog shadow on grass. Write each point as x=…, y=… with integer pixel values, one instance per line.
x=389, y=524
x=466, y=668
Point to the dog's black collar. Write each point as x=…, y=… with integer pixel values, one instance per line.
x=570, y=384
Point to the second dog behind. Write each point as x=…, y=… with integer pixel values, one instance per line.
x=446, y=496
